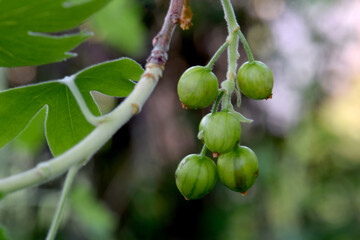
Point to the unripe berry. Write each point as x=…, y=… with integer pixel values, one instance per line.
x=238, y=169
x=195, y=176
x=202, y=125
x=222, y=132
x=255, y=80
x=197, y=87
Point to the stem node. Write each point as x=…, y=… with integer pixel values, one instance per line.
x=136, y=108
x=236, y=29
x=44, y=170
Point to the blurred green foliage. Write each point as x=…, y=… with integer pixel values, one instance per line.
x=4, y=235
x=119, y=24
x=95, y=220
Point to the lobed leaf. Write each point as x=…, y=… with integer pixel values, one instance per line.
x=17, y=108
x=113, y=78
x=22, y=21
x=65, y=123
x=25, y=49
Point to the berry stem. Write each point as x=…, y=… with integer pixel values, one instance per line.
x=246, y=46
x=64, y=194
x=230, y=16
x=226, y=103
x=203, y=151
x=217, y=101
x=212, y=61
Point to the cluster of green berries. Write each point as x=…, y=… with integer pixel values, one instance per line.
x=198, y=86
x=237, y=166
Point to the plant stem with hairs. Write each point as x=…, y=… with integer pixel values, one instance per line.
x=233, y=54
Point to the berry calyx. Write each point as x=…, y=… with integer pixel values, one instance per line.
x=195, y=176
x=238, y=169
x=221, y=132
x=197, y=87
x=255, y=80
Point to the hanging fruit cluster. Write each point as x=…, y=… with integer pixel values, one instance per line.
x=220, y=131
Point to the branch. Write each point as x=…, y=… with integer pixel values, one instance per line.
x=113, y=121
x=64, y=194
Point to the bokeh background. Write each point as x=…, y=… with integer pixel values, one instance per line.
x=307, y=138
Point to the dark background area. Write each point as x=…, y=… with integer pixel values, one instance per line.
x=307, y=137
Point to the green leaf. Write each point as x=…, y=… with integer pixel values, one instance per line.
x=17, y=108
x=65, y=123
x=32, y=139
x=128, y=34
x=112, y=78
x=25, y=49
x=23, y=24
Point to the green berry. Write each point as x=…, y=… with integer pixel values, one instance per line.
x=222, y=132
x=195, y=176
x=202, y=125
x=238, y=169
x=255, y=80
x=197, y=87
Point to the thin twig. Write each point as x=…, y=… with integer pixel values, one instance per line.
x=64, y=194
